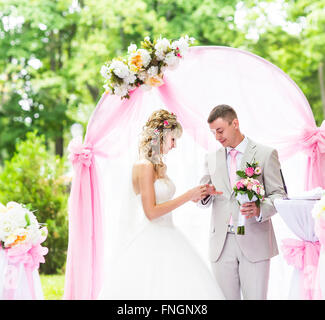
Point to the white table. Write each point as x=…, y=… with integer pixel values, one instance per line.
x=22, y=290
x=297, y=216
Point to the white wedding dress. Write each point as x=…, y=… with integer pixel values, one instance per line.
x=159, y=263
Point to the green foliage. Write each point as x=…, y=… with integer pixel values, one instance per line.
x=35, y=178
x=73, y=39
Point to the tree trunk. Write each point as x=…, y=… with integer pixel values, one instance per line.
x=322, y=85
x=59, y=146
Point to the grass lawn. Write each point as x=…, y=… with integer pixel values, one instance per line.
x=53, y=286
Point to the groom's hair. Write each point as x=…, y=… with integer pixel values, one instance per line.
x=222, y=111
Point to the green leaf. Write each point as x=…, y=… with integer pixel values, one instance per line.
x=241, y=174
x=27, y=219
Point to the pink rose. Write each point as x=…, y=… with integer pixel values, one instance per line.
x=249, y=171
x=249, y=186
x=240, y=185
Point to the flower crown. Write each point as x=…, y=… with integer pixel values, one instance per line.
x=143, y=67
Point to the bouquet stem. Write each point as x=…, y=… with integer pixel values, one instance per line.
x=241, y=230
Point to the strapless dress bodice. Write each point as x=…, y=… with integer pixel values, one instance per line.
x=164, y=191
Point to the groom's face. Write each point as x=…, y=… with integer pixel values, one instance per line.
x=224, y=131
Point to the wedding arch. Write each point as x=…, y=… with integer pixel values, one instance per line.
x=271, y=110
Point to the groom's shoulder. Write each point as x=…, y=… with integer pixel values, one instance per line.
x=263, y=148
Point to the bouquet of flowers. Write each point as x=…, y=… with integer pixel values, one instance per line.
x=21, y=235
x=248, y=189
x=143, y=66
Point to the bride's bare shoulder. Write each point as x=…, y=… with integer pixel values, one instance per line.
x=143, y=164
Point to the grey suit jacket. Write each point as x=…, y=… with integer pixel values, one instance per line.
x=259, y=241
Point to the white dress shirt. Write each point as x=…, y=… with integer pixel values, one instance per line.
x=241, y=147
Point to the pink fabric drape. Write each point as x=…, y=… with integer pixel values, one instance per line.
x=304, y=256
x=264, y=97
x=84, y=269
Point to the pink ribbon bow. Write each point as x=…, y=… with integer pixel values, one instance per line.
x=314, y=139
x=304, y=256
x=313, y=142
x=80, y=152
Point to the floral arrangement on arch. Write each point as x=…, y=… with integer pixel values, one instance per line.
x=248, y=189
x=143, y=67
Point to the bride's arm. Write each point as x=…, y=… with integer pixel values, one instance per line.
x=146, y=184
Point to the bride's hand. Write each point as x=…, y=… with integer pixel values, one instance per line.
x=211, y=190
x=197, y=192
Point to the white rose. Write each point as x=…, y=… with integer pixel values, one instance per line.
x=120, y=69
x=181, y=44
x=160, y=55
x=162, y=45
x=13, y=204
x=254, y=188
x=33, y=234
x=153, y=71
x=7, y=226
x=130, y=78
x=171, y=60
x=18, y=216
x=145, y=55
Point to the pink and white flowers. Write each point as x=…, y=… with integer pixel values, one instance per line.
x=143, y=67
x=20, y=231
x=248, y=189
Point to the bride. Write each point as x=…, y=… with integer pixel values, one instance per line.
x=159, y=262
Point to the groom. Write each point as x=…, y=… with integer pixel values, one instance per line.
x=240, y=263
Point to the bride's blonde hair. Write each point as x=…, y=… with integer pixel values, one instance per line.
x=152, y=137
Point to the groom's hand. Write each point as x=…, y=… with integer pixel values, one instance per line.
x=250, y=209
x=210, y=191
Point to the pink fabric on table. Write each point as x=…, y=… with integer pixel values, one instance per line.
x=28, y=254
x=263, y=96
x=304, y=256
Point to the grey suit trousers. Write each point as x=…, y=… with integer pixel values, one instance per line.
x=236, y=275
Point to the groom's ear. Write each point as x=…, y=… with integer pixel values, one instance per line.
x=235, y=123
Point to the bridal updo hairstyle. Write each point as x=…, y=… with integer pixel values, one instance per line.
x=159, y=124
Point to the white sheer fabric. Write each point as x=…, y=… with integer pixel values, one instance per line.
x=23, y=290
x=298, y=218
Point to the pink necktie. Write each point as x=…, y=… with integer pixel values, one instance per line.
x=232, y=171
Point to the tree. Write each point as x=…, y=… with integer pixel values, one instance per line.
x=34, y=177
